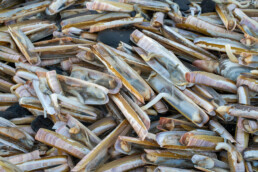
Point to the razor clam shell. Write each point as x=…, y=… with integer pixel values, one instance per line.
x=206, y=65
x=130, y=78
x=72, y=122
x=218, y=44
x=7, y=69
x=251, y=25
x=10, y=135
x=16, y=159
x=23, y=11
x=171, y=169
x=24, y=44
x=9, y=3
x=122, y=164
x=212, y=80
x=201, y=140
x=13, y=144
x=5, y=86
x=217, y=127
x=58, y=5
x=147, y=26
x=251, y=83
x=170, y=32
x=77, y=21
x=103, y=125
x=169, y=138
x=215, y=96
x=198, y=25
x=131, y=115
x=187, y=34
x=7, y=97
x=63, y=130
x=113, y=109
x=63, y=167
x=8, y=166
x=167, y=57
x=243, y=95
x=170, y=162
x=171, y=123
x=29, y=67
x=243, y=111
x=235, y=159
x=149, y=5
x=42, y=163
x=6, y=56
x=53, y=82
x=5, y=38
x=63, y=40
x=251, y=154
x=178, y=154
x=42, y=32
x=56, y=48
x=138, y=141
x=132, y=59
x=200, y=101
x=106, y=5
x=44, y=98
x=210, y=19
x=157, y=19
x=23, y=120
x=24, y=74
x=88, y=161
x=78, y=108
x=115, y=23
x=179, y=101
x=231, y=70
x=96, y=75
x=70, y=146
x=208, y=162
x=86, y=87
x=142, y=114
x=226, y=16
x=249, y=126
x=122, y=147
x=170, y=44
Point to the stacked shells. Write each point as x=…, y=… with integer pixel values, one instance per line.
x=128, y=85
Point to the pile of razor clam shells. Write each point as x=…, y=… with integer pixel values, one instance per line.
x=129, y=85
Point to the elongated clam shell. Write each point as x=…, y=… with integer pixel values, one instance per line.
x=104, y=144
x=180, y=101
x=122, y=164
x=70, y=146
x=23, y=11
x=105, y=5
x=164, y=57
x=42, y=163
x=131, y=115
x=212, y=80
x=218, y=44
x=16, y=159
x=198, y=25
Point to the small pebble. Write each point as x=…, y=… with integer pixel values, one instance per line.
x=41, y=122
x=15, y=111
x=112, y=37
x=183, y=4
x=8, y=115
x=208, y=6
